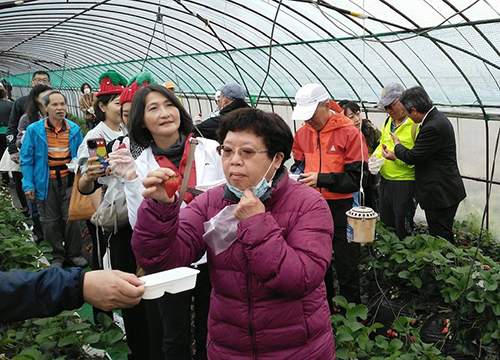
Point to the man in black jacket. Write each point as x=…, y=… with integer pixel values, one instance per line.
x=232, y=97
x=439, y=188
x=18, y=110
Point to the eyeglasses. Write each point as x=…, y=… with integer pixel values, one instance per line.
x=391, y=105
x=246, y=153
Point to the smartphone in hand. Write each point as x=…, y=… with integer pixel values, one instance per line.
x=97, y=147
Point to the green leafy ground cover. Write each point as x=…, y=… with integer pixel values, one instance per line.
x=66, y=336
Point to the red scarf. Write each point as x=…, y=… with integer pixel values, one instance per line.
x=164, y=162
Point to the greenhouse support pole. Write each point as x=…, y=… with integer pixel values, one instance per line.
x=487, y=171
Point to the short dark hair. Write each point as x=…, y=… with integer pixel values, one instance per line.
x=270, y=127
x=351, y=105
x=105, y=100
x=83, y=85
x=32, y=109
x=40, y=72
x=46, y=97
x=138, y=133
x=417, y=98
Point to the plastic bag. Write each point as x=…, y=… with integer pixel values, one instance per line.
x=220, y=231
x=121, y=161
x=112, y=214
x=374, y=164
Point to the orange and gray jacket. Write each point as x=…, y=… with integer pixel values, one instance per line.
x=334, y=153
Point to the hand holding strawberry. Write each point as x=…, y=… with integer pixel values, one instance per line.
x=388, y=154
x=171, y=185
x=156, y=185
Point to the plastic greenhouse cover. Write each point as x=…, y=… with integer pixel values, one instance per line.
x=452, y=48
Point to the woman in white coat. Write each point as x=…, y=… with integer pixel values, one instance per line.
x=159, y=122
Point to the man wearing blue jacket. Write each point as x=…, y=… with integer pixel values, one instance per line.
x=27, y=294
x=49, y=146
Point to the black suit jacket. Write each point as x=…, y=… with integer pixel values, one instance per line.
x=18, y=109
x=437, y=180
x=209, y=126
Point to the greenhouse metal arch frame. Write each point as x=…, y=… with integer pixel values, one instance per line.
x=353, y=48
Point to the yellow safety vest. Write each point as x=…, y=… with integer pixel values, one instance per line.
x=407, y=133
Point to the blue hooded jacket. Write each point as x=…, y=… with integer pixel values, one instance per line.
x=35, y=156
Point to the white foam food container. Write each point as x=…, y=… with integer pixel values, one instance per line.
x=172, y=281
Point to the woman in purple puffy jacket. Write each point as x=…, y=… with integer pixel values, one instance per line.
x=268, y=298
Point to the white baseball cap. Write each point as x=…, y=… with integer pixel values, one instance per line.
x=308, y=97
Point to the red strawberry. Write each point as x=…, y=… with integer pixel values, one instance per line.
x=171, y=185
x=412, y=338
x=486, y=267
x=122, y=146
x=445, y=330
x=384, y=147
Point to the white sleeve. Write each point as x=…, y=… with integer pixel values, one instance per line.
x=133, y=192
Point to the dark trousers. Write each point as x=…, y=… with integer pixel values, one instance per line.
x=440, y=221
x=35, y=216
x=345, y=256
x=18, y=181
x=155, y=330
x=98, y=239
x=3, y=146
x=135, y=318
x=63, y=236
x=397, y=206
x=176, y=315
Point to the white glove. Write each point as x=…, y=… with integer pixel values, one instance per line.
x=375, y=165
x=121, y=162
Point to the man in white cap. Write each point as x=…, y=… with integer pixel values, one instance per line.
x=396, y=197
x=232, y=97
x=329, y=149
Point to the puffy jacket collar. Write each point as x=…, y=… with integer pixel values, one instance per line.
x=236, y=104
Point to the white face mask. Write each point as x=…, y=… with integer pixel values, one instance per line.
x=86, y=91
x=258, y=190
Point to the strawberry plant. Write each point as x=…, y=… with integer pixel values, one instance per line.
x=355, y=340
x=66, y=336
x=434, y=279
